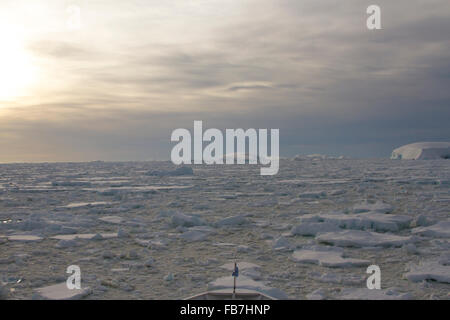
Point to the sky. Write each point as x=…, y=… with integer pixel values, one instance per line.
x=115, y=85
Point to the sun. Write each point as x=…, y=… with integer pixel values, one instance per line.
x=16, y=68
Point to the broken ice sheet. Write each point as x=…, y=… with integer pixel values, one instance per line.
x=86, y=236
x=358, y=238
x=61, y=292
x=415, y=190
x=112, y=219
x=86, y=204
x=376, y=207
x=368, y=294
x=312, y=224
x=436, y=270
x=437, y=230
x=327, y=257
x=199, y=233
x=25, y=238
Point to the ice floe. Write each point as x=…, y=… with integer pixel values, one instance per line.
x=346, y=279
x=438, y=230
x=313, y=195
x=231, y=221
x=313, y=224
x=85, y=236
x=327, y=257
x=61, y=292
x=184, y=220
x=3, y=292
x=121, y=233
x=86, y=204
x=312, y=228
x=377, y=206
x=281, y=243
x=67, y=243
x=430, y=270
x=112, y=219
x=197, y=233
x=24, y=238
x=318, y=294
x=372, y=294
x=358, y=238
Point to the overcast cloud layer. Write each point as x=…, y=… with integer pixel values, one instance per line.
x=136, y=70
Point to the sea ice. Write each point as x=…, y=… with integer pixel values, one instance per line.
x=437, y=230
x=86, y=204
x=231, y=221
x=332, y=209
x=374, y=294
x=149, y=262
x=378, y=207
x=184, y=220
x=429, y=270
x=196, y=233
x=312, y=228
x=346, y=279
x=370, y=220
x=423, y=221
x=358, y=238
x=281, y=243
x=61, y=292
x=318, y=294
x=87, y=236
x=121, y=233
x=24, y=238
x=112, y=219
x=313, y=224
x=3, y=292
x=169, y=277
x=313, y=195
x=67, y=243
x=327, y=257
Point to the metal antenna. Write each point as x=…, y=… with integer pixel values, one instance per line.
x=235, y=273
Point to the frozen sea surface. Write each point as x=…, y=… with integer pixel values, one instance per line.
x=142, y=230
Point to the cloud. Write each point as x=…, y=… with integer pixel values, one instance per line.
x=138, y=70
x=59, y=50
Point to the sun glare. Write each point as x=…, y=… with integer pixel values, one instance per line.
x=16, y=69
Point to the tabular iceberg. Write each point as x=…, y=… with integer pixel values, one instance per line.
x=423, y=151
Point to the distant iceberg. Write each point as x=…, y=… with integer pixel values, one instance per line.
x=423, y=151
x=316, y=157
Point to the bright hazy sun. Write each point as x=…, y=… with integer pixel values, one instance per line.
x=16, y=68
